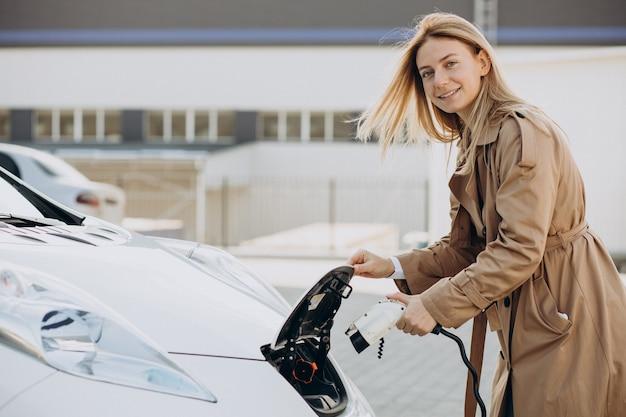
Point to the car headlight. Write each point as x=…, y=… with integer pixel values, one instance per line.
x=74, y=333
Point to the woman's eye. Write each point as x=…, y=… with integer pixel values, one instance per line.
x=426, y=74
x=451, y=64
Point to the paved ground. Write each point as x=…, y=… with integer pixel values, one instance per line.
x=416, y=377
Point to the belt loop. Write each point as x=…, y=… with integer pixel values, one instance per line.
x=563, y=238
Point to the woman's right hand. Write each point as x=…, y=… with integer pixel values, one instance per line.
x=369, y=265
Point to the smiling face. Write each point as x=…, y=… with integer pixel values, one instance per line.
x=451, y=73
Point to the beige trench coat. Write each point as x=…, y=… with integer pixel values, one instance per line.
x=519, y=241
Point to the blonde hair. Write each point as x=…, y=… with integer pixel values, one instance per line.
x=404, y=111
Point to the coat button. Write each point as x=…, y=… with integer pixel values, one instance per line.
x=507, y=301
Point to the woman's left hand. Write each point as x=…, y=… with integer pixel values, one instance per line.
x=416, y=319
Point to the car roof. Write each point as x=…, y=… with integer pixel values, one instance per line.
x=21, y=150
x=51, y=162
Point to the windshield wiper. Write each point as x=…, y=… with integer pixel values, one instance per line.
x=47, y=208
x=26, y=221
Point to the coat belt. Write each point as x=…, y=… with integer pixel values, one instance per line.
x=563, y=238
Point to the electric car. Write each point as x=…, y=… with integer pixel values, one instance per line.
x=96, y=320
x=63, y=183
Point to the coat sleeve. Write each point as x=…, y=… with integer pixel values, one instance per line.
x=528, y=166
x=424, y=267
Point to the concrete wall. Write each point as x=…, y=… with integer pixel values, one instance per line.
x=289, y=78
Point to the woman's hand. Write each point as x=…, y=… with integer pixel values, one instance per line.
x=416, y=319
x=368, y=265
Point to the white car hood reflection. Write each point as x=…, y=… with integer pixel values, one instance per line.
x=170, y=300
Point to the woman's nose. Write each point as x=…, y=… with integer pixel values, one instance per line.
x=440, y=79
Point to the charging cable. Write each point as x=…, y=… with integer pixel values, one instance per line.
x=440, y=330
x=381, y=318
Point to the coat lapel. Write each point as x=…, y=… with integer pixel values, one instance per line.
x=465, y=189
x=465, y=186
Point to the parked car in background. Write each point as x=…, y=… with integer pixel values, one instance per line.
x=96, y=320
x=64, y=183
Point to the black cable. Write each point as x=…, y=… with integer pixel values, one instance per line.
x=437, y=330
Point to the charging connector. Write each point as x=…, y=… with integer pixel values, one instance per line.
x=382, y=317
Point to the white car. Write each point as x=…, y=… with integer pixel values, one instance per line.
x=63, y=183
x=97, y=321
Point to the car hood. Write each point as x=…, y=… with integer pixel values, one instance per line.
x=170, y=298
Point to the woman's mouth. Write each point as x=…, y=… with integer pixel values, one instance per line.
x=448, y=94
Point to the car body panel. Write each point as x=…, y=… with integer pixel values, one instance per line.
x=19, y=372
x=234, y=382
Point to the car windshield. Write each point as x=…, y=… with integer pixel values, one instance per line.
x=55, y=167
x=15, y=203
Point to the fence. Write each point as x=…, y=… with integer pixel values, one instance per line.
x=225, y=211
x=266, y=205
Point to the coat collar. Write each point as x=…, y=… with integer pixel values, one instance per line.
x=494, y=130
x=491, y=136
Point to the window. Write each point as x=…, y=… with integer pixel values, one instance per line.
x=56, y=167
x=185, y=126
x=9, y=164
x=305, y=126
x=96, y=126
x=90, y=126
x=317, y=127
x=178, y=133
x=225, y=125
x=343, y=128
x=5, y=123
x=43, y=125
x=201, y=125
x=269, y=126
x=212, y=125
x=112, y=126
x=180, y=126
x=45, y=169
x=155, y=131
x=293, y=127
x=281, y=126
x=13, y=201
x=66, y=125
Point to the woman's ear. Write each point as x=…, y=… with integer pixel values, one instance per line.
x=485, y=63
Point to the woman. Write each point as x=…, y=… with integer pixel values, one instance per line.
x=519, y=247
